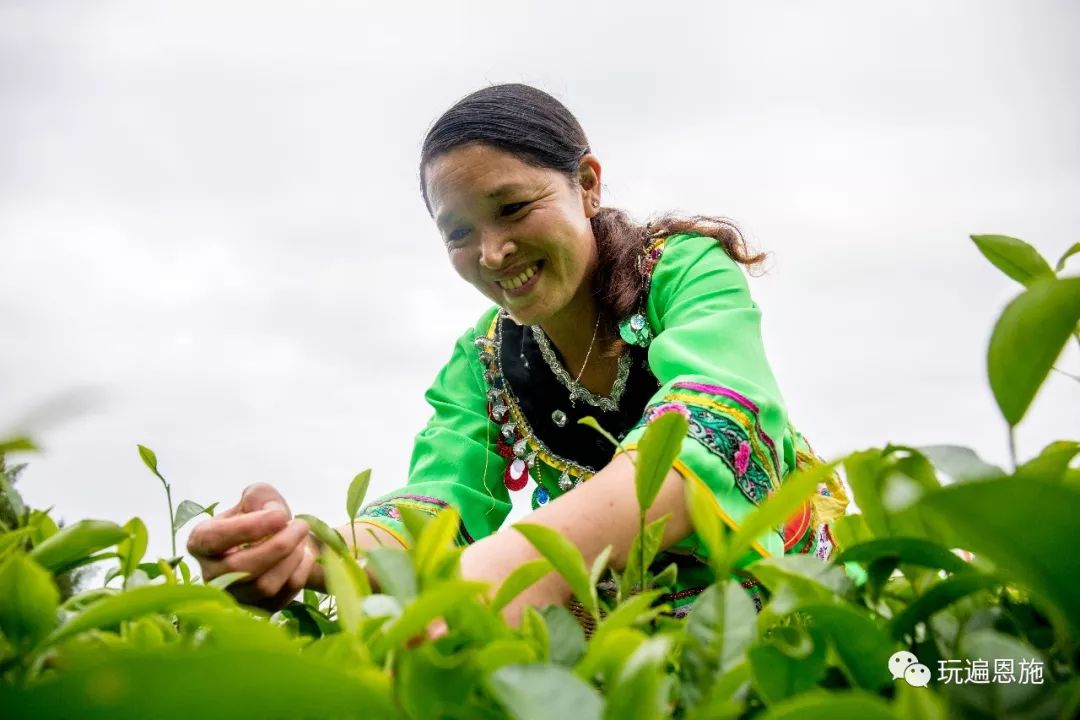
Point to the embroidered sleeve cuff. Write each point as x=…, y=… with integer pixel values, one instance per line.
x=725, y=448
x=386, y=514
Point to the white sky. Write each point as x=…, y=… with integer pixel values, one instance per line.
x=213, y=243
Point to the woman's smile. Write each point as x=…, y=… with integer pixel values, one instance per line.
x=522, y=283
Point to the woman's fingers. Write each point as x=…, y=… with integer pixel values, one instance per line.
x=260, y=559
x=297, y=580
x=271, y=583
x=257, y=496
x=212, y=538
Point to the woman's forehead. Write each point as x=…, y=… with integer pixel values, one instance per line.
x=477, y=173
x=477, y=169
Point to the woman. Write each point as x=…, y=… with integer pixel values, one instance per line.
x=593, y=315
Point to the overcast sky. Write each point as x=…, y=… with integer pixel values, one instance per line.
x=213, y=241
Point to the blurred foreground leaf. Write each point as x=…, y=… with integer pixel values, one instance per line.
x=245, y=684
x=545, y=692
x=1019, y=525
x=75, y=542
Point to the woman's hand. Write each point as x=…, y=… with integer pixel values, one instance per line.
x=257, y=536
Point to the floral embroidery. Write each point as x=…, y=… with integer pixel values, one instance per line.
x=742, y=458
x=750, y=420
x=728, y=432
x=666, y=408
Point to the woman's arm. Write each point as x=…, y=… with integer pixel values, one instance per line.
x=600, y=512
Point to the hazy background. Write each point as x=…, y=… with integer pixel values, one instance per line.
x=213, y=240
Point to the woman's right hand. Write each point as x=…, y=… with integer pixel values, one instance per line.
x=258, y=536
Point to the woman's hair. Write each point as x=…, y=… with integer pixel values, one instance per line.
x=538, y=130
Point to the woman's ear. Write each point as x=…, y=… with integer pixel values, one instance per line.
x=589, y=180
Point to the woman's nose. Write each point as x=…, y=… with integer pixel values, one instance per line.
x=494, y=249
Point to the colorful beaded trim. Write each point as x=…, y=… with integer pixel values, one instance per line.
x=516, y=441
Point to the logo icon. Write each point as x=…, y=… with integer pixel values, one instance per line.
x=903, y=665
x=917, y=675
x=899, y=662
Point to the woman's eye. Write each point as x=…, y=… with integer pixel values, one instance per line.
x=457, y=236
x=512, y=208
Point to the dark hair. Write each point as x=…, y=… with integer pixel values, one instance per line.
x=539, y=130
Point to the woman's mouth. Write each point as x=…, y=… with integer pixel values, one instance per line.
x=523, y=282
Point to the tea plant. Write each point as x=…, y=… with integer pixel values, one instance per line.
x=824, y=643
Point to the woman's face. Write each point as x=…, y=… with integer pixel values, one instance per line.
x=520, y=234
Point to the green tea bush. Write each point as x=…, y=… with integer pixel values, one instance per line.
x=922, y=631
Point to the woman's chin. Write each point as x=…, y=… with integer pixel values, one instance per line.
x=525, y=315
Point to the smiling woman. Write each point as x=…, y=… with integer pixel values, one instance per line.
x=593, y=315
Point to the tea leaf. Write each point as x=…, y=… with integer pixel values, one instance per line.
x=346, y=581
x=188, y=510
x=1027, y=339
x=1014, y=257
x=641, y=689
x=846, y=705
x=430, y=684
x=544, y=692
x=914, y=551
x=521, y=578
x=394, y=572
x=326, y=534
x=960, y=463
x=605, y=654
x=789, y=661
x=590, y=421
x=940, y=596
x=416, y=616
x=637, y=609
x=565, y=557
x=17, y=444
x=1066, y=255
x=720, y=627
x=132, y=549
x=414, y=521
x=862, y=646
x=357, y=490
x=600, y=564
x=150, y=460
x=1052, y=463
x=224, y=580
x=28, y=601
x=654, y=533
x=657, y=450
x=805, y=575
x=70, y=545
x=566, y=637
x=435, y=540
x=507, y=651
x=534, y=628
